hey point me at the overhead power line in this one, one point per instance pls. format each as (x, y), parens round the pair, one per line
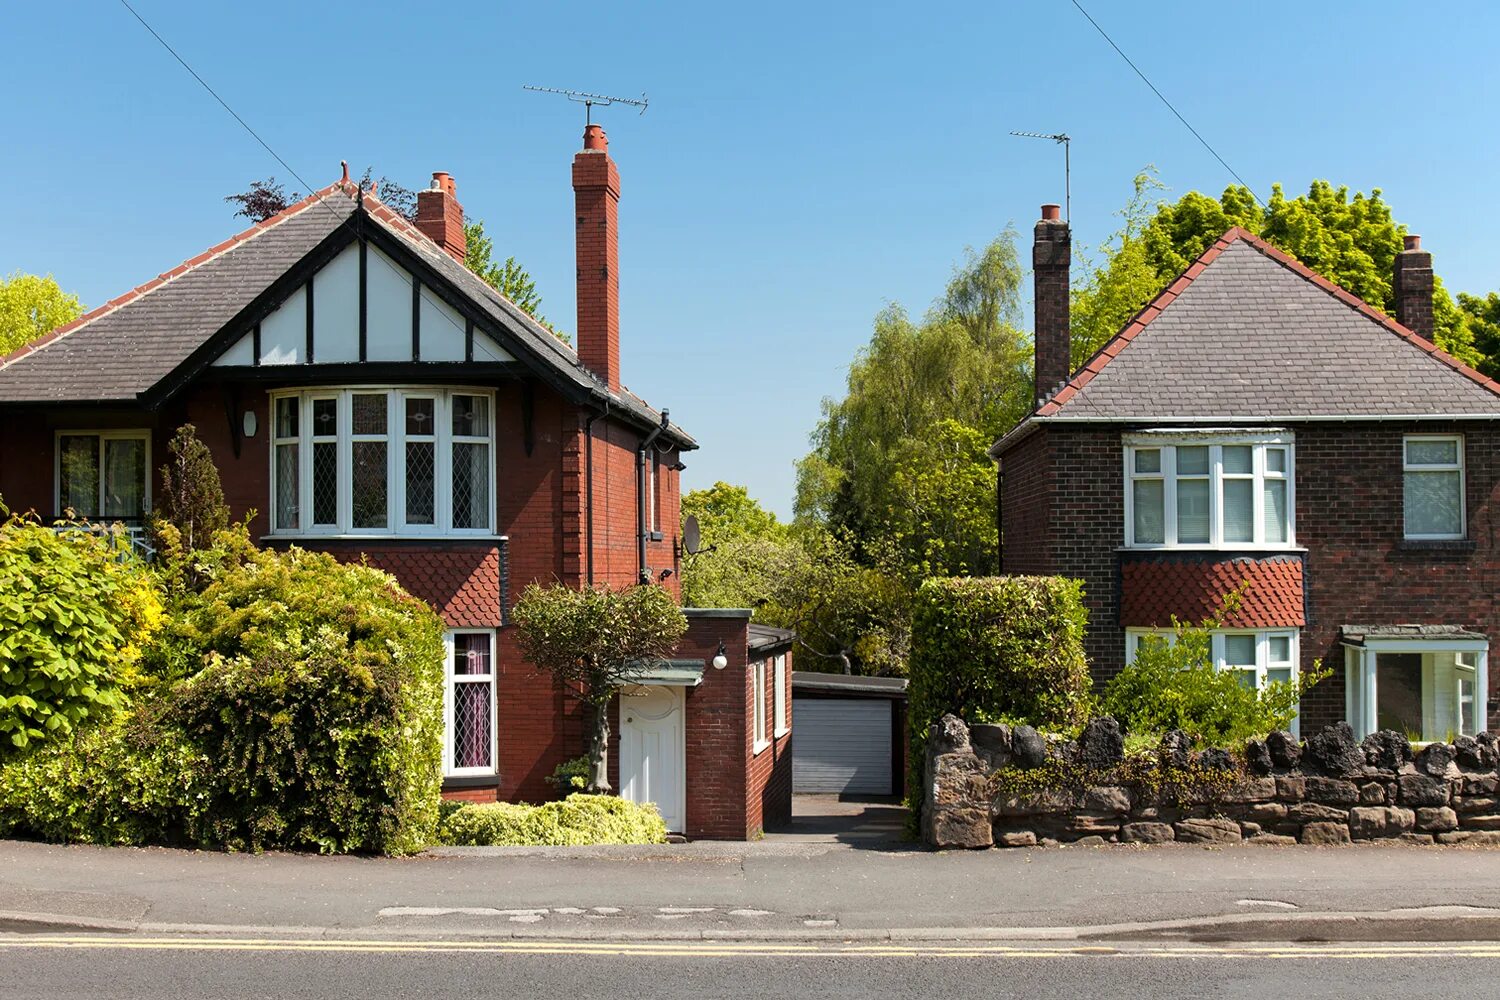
(1146, 80)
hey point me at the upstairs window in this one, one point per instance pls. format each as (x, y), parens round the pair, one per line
(383, 462)
(1224, 494)
(1433, 486)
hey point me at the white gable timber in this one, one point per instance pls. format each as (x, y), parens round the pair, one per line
(442, 333)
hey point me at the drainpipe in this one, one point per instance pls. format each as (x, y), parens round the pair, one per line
(999, 519)
(588, 501)
(640, 497)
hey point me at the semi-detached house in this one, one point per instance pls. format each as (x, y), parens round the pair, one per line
(1257, 426)
(365, 394)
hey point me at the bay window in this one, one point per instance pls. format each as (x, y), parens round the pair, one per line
(104, 475)
(469, 703)
(1433, 485)
(383, 461)
(1209, 493)
(1430, 689)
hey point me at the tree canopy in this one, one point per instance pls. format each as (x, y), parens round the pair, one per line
(1352, 240)
(30, 306)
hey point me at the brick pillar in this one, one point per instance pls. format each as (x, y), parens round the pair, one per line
(596, 196)
(1412, 286)
(441, 218)
(1051, 253)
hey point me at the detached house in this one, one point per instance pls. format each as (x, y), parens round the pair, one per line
(365, 394)
(1257, 425)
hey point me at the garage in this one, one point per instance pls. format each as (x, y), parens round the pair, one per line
(849, 734)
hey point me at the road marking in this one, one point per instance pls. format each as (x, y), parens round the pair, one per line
(752, 913)
(1275, 904)
(829, 949)
(684, 909)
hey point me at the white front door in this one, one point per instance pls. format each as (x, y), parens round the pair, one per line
(653, 758)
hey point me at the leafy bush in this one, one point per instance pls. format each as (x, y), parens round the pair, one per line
(570, 776)
(1173, 684)
(192, 497)
(313, 723)
(575, 821)
(75, 608)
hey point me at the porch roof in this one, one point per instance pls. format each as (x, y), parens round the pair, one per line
(1357, 635)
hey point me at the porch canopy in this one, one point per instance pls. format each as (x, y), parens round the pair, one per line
(1430, 682)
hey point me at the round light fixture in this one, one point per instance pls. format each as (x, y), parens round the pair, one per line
(720, 659)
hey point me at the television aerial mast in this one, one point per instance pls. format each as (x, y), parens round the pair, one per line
(1065, 139)
(589, 100)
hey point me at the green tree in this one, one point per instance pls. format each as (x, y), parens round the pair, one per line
(30, 306)
(943, 520)
(1352, 240)
(192, 500)
(598, 639)
(1482, 313)
(509, 278)
(745, 549)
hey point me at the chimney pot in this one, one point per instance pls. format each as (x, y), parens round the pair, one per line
(1411, 241)
(1051, 212)
(594, 138)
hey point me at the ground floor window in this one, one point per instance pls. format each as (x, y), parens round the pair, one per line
(469, 703)
(1429, 693)
(759, 713)
(104, 474)
(1257, 657)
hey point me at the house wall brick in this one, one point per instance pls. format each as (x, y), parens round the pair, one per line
(1357, 569)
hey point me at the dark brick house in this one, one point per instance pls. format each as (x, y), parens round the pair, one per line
(1257, 425)
(364, 393)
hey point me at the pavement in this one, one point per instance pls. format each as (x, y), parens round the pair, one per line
(838, 874)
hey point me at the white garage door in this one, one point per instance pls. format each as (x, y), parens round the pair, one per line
(841, 745)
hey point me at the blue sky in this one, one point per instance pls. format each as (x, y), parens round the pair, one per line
(800, 165)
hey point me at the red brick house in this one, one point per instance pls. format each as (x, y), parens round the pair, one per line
(364, 393)
(1256, 423)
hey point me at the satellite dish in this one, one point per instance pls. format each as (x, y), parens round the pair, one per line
(692, 538)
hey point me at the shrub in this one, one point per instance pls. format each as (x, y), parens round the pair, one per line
(574, 821)
(192, 497)
(313, 723)
(570, 776)
(319, 708)
(75, 608)
(991, 648)
(1173, 684)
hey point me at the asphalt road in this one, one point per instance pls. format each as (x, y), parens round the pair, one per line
(41, 968)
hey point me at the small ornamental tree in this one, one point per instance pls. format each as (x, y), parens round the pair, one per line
(598, 639)
(192, 496)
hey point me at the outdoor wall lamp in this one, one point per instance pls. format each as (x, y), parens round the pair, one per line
(721, 658)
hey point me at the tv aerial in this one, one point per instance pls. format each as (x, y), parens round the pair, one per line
(1064, 139)
(589, 100)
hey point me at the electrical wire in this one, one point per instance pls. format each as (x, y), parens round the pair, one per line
(1188, 125)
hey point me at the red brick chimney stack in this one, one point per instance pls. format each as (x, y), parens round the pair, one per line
(441, 218)
(1412, 285)
(1051, 253)
(596, 197)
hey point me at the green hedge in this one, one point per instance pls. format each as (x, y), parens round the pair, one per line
(574, 821)
(995, 648)
(74, 610)
(312, 722)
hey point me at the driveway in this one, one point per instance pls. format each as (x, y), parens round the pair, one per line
(877, 823)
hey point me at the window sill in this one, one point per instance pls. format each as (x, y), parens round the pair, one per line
(458, 781)
(655, 536)
(759, 746)
(782, 732)
(1258, 549)
(274, 538)
(1437, 545)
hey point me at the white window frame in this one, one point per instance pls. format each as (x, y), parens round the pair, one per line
(443, 439)
(778, 677)
(1459, 467)
(1217, 646)
(1167, 445)
(758, 714)
(130, 434)
(451, 679)
(1361, 680)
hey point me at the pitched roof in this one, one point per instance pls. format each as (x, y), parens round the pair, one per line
(125, 347)
(1248, 332)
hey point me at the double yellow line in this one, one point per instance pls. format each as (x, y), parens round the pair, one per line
(759, 949)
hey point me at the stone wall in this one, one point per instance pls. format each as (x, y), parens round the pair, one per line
(1004, 786)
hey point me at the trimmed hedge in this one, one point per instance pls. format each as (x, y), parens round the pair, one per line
(310, 719)
(1007, 648)
(575, 821)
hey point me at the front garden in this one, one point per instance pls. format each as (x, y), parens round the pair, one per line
(231, 697)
